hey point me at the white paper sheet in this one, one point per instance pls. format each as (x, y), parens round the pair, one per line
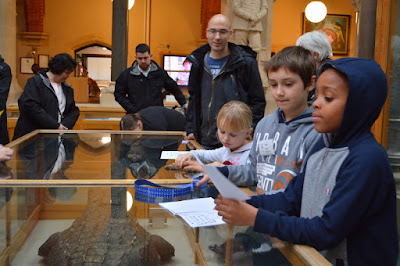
(225, 187)
(196, 212)
(199, 219)
(166, 155)
(192, 205)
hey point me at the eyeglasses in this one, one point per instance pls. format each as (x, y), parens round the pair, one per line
(213, 32)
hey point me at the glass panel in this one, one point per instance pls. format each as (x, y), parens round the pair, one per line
(93, 155)
(5, 194)
(110, 226)
(66, 225)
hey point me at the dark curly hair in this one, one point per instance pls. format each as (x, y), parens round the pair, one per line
(60, 63)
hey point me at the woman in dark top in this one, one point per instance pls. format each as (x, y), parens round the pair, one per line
(47, 101)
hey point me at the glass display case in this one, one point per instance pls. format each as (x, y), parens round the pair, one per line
(68, 198)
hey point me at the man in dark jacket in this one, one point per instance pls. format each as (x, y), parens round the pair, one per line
(154, 118)
(140, 85)
(221, 72)
(5, 82)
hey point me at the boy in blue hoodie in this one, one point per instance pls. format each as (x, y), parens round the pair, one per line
(344, 202)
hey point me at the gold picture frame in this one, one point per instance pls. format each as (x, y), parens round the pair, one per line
(43, 61)
(337, 28)
(26, 65)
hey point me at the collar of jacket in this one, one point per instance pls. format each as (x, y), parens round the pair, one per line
(42, 74)
(135, 68)
(1, 59)
(236, 56)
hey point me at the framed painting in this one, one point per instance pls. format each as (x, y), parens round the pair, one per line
(43, 61)
(336, 27)
(26, 65)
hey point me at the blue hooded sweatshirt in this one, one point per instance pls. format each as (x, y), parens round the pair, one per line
(344, 202)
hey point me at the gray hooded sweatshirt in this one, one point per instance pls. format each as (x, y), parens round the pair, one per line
(289, 146)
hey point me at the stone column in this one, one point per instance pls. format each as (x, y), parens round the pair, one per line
(119, 57)
(119, 38)
(8, 44)
(365, 44)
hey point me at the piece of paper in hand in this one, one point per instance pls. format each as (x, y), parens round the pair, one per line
(225, 187)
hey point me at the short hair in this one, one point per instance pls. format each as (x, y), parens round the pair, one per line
(142, 48)
(61, 63)
(236, 115)
(316, 41)
(296, 59)
(130, 121)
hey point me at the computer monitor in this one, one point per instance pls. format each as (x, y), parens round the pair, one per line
(178, 68)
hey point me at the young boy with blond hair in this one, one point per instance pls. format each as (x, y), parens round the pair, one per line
(344, 202)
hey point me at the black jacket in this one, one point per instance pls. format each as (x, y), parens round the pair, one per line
(239, 80)
(134, 91)
(5, 82)
(38, 106)
(162, 119)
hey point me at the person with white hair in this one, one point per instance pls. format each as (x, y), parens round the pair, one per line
(317, 42)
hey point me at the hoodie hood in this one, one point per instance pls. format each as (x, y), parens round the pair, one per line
(368, 90)
(303, 118)
(135, 68)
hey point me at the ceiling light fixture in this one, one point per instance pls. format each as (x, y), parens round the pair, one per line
(130, 4)
(316, 11)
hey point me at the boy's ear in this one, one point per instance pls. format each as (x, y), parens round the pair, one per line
(311, 85)
(249, 132)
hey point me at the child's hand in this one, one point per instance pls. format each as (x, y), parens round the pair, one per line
(235, 212)
(192, 165)
(217, 164)
(179, 161)
(196, 166)
(203, 180)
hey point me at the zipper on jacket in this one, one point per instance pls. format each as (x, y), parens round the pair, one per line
(211, 98)
(209, 110)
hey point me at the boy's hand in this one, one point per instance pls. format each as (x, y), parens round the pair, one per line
(203, 180)
(235, 212)
(181, 159)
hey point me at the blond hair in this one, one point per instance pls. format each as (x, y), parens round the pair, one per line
(235, 115)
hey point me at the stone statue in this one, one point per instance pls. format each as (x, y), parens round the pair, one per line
(247, 27)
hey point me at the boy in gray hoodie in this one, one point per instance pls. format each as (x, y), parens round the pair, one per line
(282, 140)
